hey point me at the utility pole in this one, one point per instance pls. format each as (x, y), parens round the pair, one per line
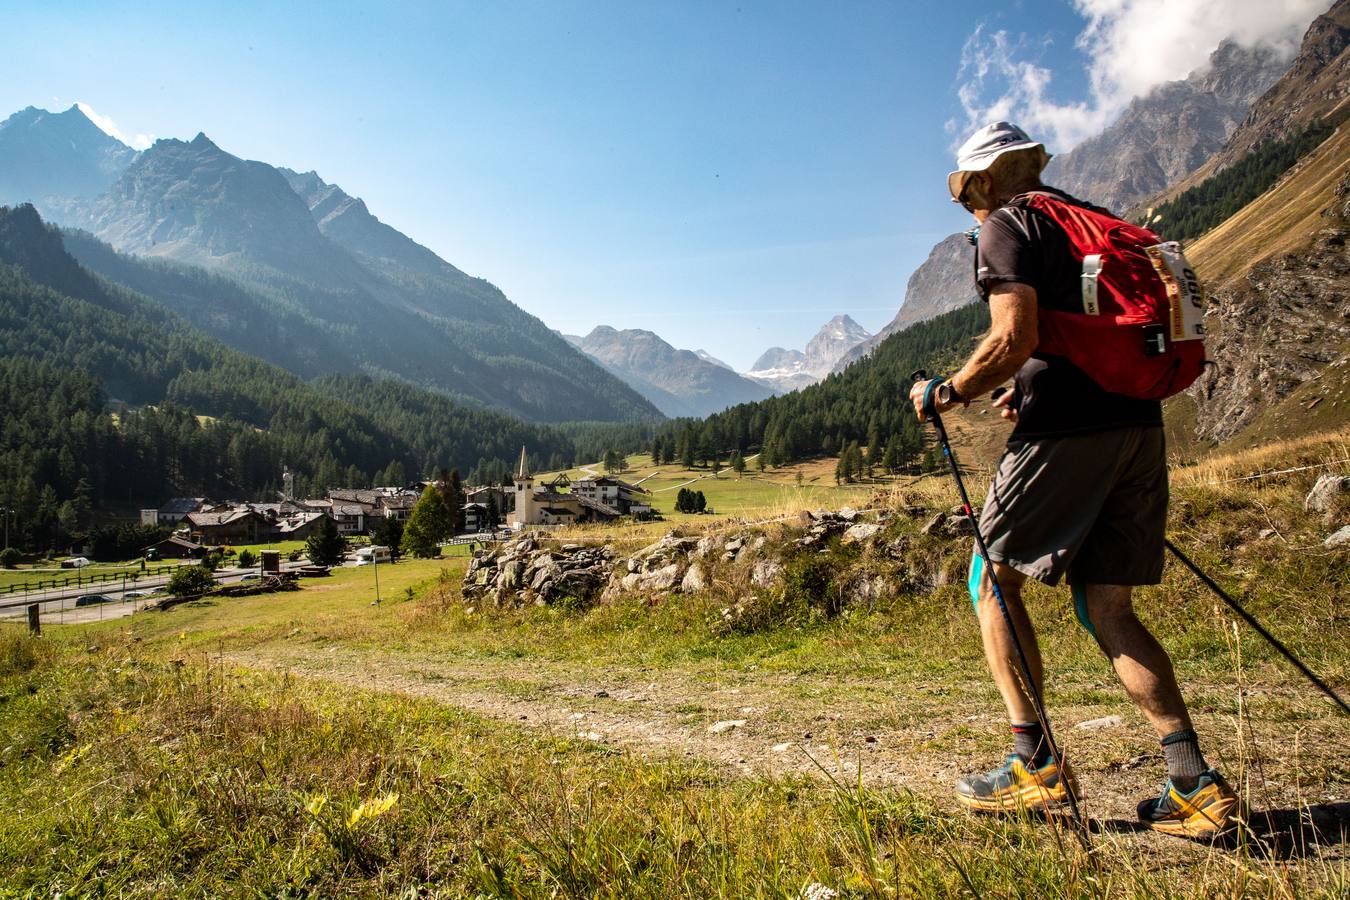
(375, 561)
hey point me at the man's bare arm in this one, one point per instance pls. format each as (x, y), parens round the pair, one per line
(1010, 342)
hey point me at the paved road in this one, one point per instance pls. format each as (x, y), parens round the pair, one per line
(59, 605)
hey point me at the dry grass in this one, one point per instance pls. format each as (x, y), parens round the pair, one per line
(1328, 452)
(1282, 220)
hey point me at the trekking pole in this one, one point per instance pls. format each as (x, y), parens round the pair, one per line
(1250, 620)
(1027, 681)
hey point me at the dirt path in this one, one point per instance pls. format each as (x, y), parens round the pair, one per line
(756, 723)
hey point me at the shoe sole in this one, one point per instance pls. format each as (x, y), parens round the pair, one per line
(1216, 819)
(1029, 797)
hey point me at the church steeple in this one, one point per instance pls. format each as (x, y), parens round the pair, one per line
(523, 471)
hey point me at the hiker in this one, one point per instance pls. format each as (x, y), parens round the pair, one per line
(1080, 492)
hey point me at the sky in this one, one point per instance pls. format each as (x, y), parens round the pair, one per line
(728, 175)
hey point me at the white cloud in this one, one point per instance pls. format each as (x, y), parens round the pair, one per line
(109, 127)
(1132, 45)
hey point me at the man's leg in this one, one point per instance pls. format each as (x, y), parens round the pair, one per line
(1141, 663)
(999, 651)
(1029, 778)
(1196, 802)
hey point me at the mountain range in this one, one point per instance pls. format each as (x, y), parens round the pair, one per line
(678, 382)
(312, 259)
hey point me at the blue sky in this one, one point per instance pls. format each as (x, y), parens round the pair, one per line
(727, 175)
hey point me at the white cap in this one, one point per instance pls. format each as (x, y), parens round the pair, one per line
(986, 145)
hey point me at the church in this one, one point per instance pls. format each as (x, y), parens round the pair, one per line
(548, 507)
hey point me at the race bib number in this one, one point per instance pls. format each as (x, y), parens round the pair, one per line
(1186, 315)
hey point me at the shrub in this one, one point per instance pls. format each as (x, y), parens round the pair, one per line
(247, 560)
(191, 581)
(9, 557)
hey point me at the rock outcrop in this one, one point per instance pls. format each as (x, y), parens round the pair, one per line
(1284, 322)
(523, 571)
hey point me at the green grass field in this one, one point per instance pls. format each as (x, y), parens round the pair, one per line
(751, 493)
(315, 744)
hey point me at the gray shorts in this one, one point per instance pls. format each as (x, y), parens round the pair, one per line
(1090, 506)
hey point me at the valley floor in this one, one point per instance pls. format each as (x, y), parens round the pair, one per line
(315, 744)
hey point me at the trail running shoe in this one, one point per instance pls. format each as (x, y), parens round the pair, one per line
(1206, 812)
(1014, 786)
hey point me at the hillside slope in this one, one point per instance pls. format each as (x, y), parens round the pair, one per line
(54, 313)
(366, 296)
(1279, 317)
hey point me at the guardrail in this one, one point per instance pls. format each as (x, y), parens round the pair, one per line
(80, 580)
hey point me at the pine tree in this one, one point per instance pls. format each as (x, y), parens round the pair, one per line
(389, 533)
(855, 461)
(428, 525)
(325, 546)
(738, 463)
(890, 460)
(700, 502)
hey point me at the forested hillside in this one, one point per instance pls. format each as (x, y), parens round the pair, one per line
(1202, 207)
(867, 403)
(110, 400)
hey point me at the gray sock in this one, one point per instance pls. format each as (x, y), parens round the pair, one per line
(1029, 743)
(1185, 762)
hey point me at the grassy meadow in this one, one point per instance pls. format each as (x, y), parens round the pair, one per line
(317, 744)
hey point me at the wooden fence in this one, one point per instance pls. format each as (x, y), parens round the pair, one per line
(79, 579)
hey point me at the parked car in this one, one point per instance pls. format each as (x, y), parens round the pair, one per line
(135, 595)
(252, 576)
(75, 562)
(92, 599)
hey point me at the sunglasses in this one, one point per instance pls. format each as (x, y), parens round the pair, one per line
(961, 197)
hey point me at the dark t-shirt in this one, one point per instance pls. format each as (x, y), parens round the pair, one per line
(1053, 397)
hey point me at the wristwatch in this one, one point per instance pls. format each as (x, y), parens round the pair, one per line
(948, 395)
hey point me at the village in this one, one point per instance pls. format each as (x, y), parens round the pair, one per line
(198, 523)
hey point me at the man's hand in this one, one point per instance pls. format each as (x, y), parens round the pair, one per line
(1003, 403)
(916, 397)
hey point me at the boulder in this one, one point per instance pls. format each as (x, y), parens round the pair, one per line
(766, 573)
(694, 580)
(663, 579)
(1325, 493)
(860, 533)
(1340, 539)
(509, 579)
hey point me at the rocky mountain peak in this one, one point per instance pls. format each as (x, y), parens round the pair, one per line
(1169, 132)
(193, 201)
(48, 158)
(943, 282)
(787, 370)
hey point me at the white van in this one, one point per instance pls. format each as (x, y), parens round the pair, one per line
(367, 555)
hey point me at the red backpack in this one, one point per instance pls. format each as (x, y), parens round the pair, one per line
(1140, 331)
